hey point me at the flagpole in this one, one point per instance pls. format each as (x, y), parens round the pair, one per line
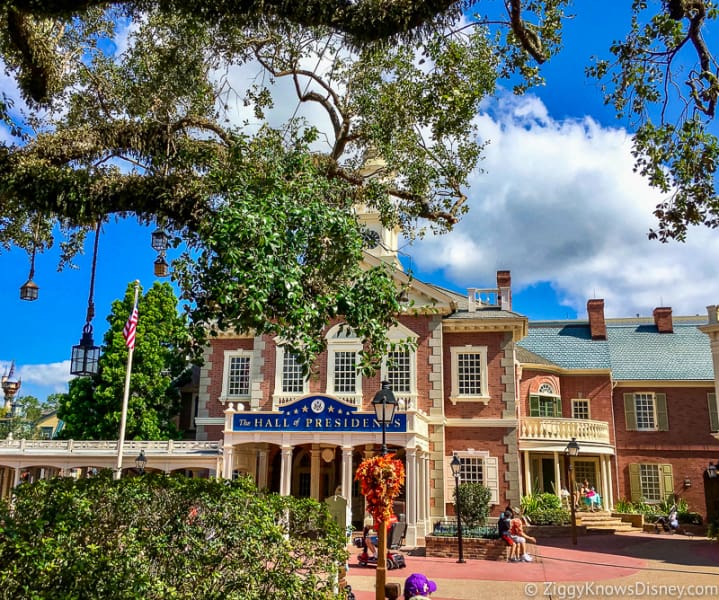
(126, 394)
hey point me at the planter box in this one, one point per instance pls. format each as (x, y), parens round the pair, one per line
(484, 549)
(552, 531)
(474, 548)
(636, 519)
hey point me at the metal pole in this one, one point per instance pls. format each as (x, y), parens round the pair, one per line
(459, 522)
(125, 399)
(570, 487)
(381, 578)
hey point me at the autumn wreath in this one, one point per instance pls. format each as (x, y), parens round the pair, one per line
(380, 478)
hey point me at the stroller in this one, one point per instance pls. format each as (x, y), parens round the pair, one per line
(670, 523)
(395, 539)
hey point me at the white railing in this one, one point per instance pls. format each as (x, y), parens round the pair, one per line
(551, 429)
(172, 447)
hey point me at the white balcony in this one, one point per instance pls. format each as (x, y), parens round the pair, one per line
(552, 429)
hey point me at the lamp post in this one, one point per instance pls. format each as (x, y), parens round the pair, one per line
(711, 471)
(570, 452)
(456, 466)
(384, 404)
(140, 462)
(160, 242)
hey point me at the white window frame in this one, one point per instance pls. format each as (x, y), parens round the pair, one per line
(483, 396)
(348, 342)
(225, 395)
(575, 402)
(395, 334)
(490, 473)
(643, 476)
(655, 419)
(281, 397)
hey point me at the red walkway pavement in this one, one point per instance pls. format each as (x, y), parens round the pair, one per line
(608, 566)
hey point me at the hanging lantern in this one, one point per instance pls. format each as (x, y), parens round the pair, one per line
(85, 355)
(162, 269)
(29, 291)
(160, 240)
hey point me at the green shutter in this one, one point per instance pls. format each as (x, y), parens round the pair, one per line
(635, 482)
(557, 407)
(534, 406)
(630, 414)
(667, 479)
(713, 412)
(662, 416)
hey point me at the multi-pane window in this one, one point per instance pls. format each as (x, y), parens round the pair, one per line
(649, 478)
(238, 376)
(469, 374)
(545, 406)
(644, 409)
(580, 409)
(293, 381)
(345, 372)
(399, 374)
(472, 470)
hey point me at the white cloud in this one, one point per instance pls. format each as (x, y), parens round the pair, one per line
(559, 203)
(42, 379)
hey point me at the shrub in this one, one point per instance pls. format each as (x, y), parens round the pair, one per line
(536, 502)
(551, 516)
(474, 498)
(156, 537)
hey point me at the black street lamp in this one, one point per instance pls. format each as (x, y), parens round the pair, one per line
(570, 452)
(456, 466)
(384, 404)
(712, 470)
(86, 354)
(160, 242)
(141, 461)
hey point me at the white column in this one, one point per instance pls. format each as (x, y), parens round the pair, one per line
(527, 477)
(347, 478)
(557, 476)
(262, 470)
(423, 489)
(315, 472)
(17, 477)
(227, 462)
(411, 488)
(286, 471)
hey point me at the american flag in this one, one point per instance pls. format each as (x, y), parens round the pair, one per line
(130, 328)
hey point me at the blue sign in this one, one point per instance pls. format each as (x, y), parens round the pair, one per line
(316, 413)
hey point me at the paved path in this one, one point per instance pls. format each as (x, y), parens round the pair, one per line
(623, 565)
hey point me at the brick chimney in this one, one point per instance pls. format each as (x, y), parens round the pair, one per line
(504, 283)
(597, 326)
(663, 319)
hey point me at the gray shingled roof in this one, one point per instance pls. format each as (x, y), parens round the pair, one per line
(567, 344)
(633, 350)
(638, 351)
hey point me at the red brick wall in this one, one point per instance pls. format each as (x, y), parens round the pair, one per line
(688, 445)
(217, 358)
(495, 371)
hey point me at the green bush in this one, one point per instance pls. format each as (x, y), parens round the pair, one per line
(474, 498)
(165, 537)
(537, 502)
(550, 516)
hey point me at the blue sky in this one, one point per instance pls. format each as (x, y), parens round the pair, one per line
(558, 205)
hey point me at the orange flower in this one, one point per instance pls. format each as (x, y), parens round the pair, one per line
(380, 478)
